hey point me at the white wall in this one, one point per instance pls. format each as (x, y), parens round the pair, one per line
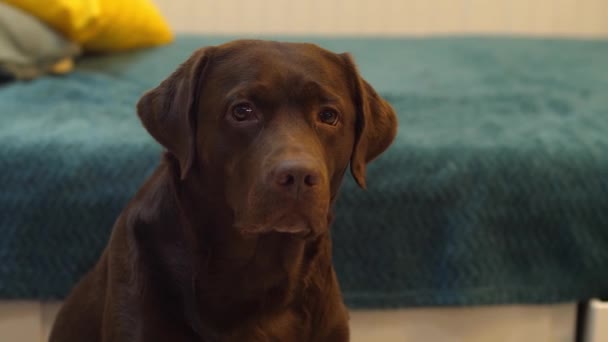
(587, 18)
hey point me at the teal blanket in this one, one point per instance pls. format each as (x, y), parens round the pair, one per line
(495, 191)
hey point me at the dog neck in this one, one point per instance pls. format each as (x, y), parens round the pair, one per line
(247, 274)
(218, 273)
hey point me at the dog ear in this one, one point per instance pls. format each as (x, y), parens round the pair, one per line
(376, 124)
(169, 111)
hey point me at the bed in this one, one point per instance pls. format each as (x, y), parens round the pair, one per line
(495, 191)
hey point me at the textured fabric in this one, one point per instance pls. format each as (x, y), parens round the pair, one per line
(495, 191)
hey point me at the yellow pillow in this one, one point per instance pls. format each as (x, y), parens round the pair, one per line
(102, 25)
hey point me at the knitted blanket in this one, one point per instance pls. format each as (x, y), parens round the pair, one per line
(495, 191)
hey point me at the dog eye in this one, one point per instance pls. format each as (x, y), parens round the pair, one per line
(243, 112)
(329, 116)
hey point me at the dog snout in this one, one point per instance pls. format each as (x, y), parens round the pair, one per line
(295, 176)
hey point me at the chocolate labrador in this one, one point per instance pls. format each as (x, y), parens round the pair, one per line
(229, 239)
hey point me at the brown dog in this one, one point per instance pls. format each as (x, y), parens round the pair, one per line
(229, 238)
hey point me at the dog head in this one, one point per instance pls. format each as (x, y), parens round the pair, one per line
(269, 129)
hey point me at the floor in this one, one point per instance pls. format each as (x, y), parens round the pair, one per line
(31, 321)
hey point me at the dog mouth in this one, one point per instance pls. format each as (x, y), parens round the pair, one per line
(262, 212)
(294, 224)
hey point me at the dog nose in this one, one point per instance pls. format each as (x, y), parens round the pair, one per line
(294, 174)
